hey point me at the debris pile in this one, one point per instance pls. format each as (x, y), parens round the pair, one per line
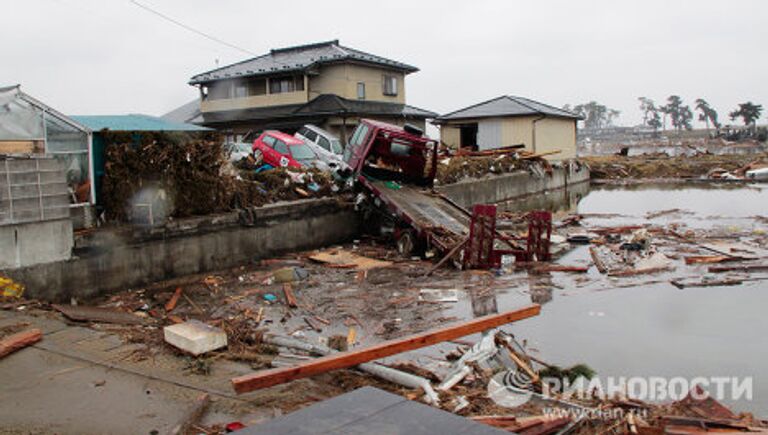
(178, 175)
(658, 166)
(468, 165)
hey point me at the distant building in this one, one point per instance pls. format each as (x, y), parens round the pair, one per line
(508, 120)
(325, 84)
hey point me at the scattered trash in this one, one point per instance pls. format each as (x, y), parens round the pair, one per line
(438, 295)
(9, 288)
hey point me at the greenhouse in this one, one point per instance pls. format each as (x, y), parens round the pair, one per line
(29, 127)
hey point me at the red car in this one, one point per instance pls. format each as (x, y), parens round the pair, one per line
(278, 149)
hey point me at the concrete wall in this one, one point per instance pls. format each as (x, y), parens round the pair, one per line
(342, 80)
(34, 212)
(110, 261)
(515, 185)
(36, 242)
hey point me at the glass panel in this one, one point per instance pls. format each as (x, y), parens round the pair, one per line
(323, 142)
(18, 119)
(302, 152)
(269, 140)
(281, 147)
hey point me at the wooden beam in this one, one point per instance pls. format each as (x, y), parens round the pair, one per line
(14, 342)
(268, 378)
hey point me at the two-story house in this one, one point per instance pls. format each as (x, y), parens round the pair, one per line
(325, 84)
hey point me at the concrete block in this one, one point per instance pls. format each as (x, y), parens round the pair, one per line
(195, 337)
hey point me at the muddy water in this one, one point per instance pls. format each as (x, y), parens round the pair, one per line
(656, 329)
(644, 326)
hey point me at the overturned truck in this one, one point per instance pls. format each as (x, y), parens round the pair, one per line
(395, 168)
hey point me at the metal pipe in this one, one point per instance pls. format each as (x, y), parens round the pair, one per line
(382, 372)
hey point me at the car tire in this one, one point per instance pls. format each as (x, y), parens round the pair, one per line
(406, 244)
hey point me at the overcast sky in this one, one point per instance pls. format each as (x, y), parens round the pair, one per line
(112, 57)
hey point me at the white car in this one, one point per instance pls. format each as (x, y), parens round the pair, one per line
(326, 146)
(237, 151)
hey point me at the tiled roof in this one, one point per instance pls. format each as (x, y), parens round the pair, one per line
(323, 105)
(507, 105)
(188, 113)
(298, 58)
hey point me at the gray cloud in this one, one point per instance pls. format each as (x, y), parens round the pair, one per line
(94, 57)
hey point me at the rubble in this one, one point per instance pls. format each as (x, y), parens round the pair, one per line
(662, 166)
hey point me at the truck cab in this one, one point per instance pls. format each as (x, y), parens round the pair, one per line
(382, 151)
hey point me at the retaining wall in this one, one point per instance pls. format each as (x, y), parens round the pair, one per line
(499, 188)
(124, 259)
(128, 257)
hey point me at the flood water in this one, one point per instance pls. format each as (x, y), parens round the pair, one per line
(643, 325)
(657, 329)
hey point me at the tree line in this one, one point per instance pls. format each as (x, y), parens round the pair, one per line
(679, 114)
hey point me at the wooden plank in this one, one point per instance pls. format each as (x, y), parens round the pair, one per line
(268, 378)
(14, 342)
(290, 298)
(98, 314)
(171, 304)
(739, 268)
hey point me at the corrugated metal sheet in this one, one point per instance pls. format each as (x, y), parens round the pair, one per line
(134, 122)
(489, 134)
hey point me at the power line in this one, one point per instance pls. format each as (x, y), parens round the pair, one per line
(191, 29)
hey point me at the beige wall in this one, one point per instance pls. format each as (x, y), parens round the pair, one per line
(297, 97)
(551, 134)
(342, 80)
(450, 136)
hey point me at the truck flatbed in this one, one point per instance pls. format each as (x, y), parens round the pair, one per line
(427, 212)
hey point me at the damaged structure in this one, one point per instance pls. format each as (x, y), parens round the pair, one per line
(511, 121)
(326, 84)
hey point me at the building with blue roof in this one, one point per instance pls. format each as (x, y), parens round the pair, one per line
(132, 123)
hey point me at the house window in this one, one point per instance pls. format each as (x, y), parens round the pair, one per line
(279, 85)
(389, 85)
(361, 91)
(240, 90)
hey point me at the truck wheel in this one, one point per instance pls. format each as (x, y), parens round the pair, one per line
(406, 244)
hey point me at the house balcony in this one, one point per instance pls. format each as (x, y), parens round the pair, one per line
(254, 101)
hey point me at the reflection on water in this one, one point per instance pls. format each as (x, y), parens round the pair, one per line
(650, 328)
(558, 200)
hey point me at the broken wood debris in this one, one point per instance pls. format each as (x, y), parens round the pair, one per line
(290, 298)
(171, 304)
(97, 314)
(18, 341)
(267, 378)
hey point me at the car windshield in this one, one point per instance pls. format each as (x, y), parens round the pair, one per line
(242, 147)
(302, 152)
(336, 147)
